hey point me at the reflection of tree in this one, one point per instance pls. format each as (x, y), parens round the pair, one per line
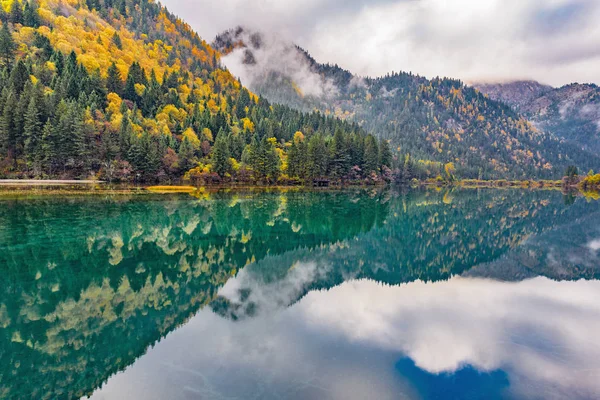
(88, 285)
(426, 236)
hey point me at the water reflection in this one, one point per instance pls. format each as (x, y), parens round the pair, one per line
(298, 295)
(362, 339)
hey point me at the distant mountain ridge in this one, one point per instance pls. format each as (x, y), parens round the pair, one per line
(571, 112)
(437, 120)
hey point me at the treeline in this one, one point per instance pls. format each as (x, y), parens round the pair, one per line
(62, 118)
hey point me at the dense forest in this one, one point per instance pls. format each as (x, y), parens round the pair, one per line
(432, 121)
(122, 90)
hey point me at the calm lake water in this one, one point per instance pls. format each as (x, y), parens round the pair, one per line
(477, 294)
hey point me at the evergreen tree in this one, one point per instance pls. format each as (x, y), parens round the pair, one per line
(7, 45)
(220, 155)
(8, 130)
(16, 12)
(3, 15)
(30, 14)
(371, 156)
(19, 76)
(186, 155)
(318, 157)
(49, 148)
(32, 131)
(116, 39)
(340, 158)
(114, 81)
(385, 154)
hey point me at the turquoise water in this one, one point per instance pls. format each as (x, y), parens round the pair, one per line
(478, 294)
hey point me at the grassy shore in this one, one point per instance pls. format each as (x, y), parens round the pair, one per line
(87, 188)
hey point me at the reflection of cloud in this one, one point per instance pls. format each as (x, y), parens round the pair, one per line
(594, 245)
(267, 296)
(542, 333)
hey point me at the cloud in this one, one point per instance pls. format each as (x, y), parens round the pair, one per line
(279, 56)
(345, 343)
(554, 41)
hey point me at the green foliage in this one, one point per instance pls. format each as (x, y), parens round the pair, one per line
(7, 45)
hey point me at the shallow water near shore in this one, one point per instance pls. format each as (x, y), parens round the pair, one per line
(301, 294)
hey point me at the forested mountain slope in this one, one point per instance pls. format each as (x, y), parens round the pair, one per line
(440, 119)
(124, 90)
(571, 112)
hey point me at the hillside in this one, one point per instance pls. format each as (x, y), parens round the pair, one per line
(123, 90)
(571, 112)
(436, 120)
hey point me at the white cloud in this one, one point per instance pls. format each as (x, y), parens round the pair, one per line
(555, 41)
(345, 342)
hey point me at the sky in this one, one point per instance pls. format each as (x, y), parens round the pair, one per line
(553, 41)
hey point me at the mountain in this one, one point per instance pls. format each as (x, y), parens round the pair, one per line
(123, 90)
(571, 112)
(436, 120)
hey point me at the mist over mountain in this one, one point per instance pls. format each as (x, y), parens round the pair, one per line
(438, 120)
(571, 112)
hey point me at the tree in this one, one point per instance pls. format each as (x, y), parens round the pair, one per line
(187, 159)
(49, 147)
(30, 14)
(371, 155)
(318, 157)
(19, 76)
(32, 131)
(385, 154)
(114, 81)
(340, 160)
(3, 15)
(571, 172)
(221, 155)
(449, 169)
(8, 130)
(16, 12)
(7, 45)
(117, 41)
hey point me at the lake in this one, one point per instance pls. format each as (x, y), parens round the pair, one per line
(362, 294)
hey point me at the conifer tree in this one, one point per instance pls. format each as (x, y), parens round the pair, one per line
(16, 12)
(7, 45)
(221, 155)
(114, 81)
(371, 155)
(32, 130)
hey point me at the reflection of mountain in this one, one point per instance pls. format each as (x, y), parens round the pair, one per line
(89, 284)
(426, 237)
(565, 253)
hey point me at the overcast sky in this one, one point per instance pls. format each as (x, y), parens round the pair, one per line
(553, 41)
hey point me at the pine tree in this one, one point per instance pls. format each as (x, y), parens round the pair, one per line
(117, 41)
(7, 45)
(371, 156)
(220, 155)
(3, 15)
(7, 127)
(318, 157)
(19, 76)
(340, 157)
(186, 155)
(385, 154)
(30, 14)
(16, 12)
(32, 130)
(48, 147)
(114, 81)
